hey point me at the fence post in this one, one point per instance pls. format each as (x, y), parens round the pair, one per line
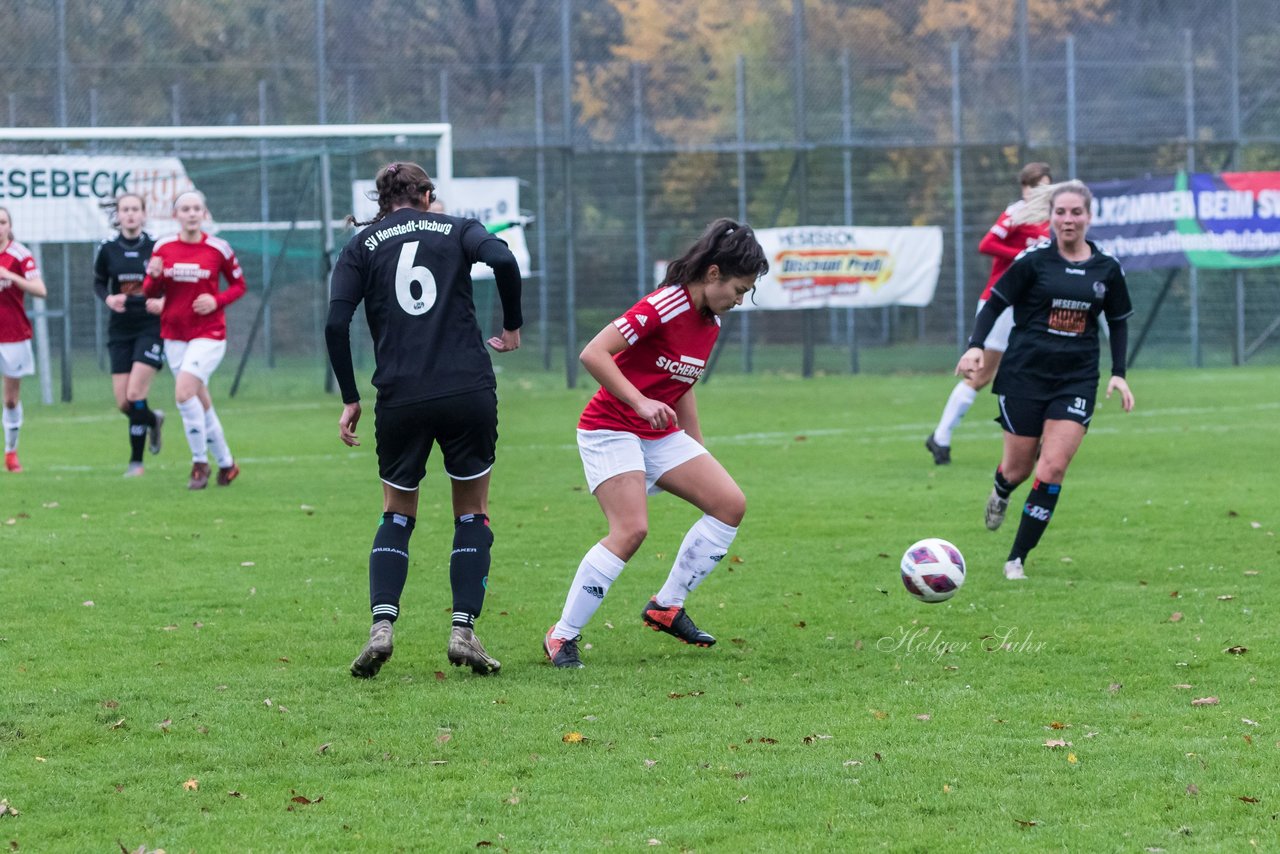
(637, 87)
(957, 190)
(740, 108)
(1193, 274)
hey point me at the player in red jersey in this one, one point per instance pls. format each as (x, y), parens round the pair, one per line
(1003, 242)
(640, 435)
(185, 270)
(19, 276)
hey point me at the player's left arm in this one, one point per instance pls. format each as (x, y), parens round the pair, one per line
(1119, 308)
(506, 274)
(31, 283)
(236, 285)
(687, 416)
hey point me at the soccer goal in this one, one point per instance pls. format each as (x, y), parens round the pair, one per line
(277, 193)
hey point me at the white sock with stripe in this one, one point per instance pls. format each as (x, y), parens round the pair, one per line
(598, 570)
(216, 440)
(962, 397)
(192, 412)
(12, 424)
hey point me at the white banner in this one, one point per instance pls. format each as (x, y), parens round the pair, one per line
(847, 267)
(490, 200)
(58, 198)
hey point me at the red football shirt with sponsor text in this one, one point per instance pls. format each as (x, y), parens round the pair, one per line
(1005, 242)
(191, 269)
(668, 343)
(14, 324)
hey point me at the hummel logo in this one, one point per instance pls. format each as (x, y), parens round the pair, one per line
(642, 319)
(595, 591)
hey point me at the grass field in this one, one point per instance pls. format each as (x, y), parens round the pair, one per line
(173, 666)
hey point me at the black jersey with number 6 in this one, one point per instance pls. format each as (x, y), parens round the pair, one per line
(412, 270)
(1053, 348)
(120, 267)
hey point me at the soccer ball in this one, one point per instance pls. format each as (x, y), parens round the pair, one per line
(932, 570)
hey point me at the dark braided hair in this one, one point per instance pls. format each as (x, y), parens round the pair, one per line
(730, 245)
(397, 184)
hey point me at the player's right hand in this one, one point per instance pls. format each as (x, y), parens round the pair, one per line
(115, 302)
(347, 424)
(155, 266)
(657, 413)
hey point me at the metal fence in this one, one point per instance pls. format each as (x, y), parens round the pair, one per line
(623, 161)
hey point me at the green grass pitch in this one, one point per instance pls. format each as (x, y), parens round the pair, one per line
(173, 666)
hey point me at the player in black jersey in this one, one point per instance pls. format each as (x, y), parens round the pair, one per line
(133, 331)
(1048, 379)
(412, 270)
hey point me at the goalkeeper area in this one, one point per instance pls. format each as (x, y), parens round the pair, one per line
(277, 193)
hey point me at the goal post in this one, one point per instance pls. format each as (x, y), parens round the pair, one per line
(277, 193)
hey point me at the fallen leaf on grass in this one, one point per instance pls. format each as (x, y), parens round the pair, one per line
(5, 810)
(1175, 616)
(444, 737)
(852, 763)
(234, 794)
(1193, 790)
(191, 785)
(247, 563)
(1058, 725)
(1225, 598)
(1248, 800)
(169, 628)
(1026, 823)
(572, 738)
(1057, 742)
(484, 843)
(649, 763)
(303, 799)
(1205, 701)
(1236, 650)
(116, 725)
(924, 717)
(1071, 757)
(655, 841)
(1115, 686)
(1183, 686)
(324, 748)
(165, 724)
(440, 676)
(88, 603)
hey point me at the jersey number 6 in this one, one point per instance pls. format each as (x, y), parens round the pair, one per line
(406, 275)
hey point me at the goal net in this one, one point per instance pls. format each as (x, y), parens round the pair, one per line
(277, 193)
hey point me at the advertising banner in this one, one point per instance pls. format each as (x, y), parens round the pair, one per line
(1228, 221)
(847, 267)
(59, 198)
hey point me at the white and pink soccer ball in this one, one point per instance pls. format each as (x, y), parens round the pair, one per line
(932, 570)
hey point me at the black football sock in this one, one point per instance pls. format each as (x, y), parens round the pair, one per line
(140, 420)
(389, 565)
(469, 566)
(1036, 514)
(1003, 487)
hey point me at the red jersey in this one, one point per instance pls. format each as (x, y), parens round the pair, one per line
(14, 325)
(191, 269)
(668, 344)
(1005, 241)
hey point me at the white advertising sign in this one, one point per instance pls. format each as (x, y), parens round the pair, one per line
(847, 267)
(58, 198)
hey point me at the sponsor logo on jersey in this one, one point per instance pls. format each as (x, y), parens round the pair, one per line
(1099, 290)
(686, 369)
(186, 272)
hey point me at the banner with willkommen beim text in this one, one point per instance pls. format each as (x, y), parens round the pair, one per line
(847, 267)
(1227, 221)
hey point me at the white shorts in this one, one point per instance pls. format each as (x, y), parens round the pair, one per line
(998, 339)
(16, 359)
(606, 453)
(199, 357)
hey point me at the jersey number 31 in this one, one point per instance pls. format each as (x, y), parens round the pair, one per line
(406, 275)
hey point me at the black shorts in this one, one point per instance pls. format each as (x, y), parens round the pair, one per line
(143, 347)
(464, 425)
(1023, 416)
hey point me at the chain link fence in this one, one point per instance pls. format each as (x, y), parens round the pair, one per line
(626, 144)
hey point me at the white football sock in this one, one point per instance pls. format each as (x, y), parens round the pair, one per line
(962, 397)
(216, 440)
(12, 423)
(192, 412)
(598, 570)
(704, 546)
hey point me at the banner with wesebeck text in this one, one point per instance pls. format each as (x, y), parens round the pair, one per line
(847, 267)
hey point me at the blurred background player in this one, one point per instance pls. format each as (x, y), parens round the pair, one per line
(133, 330)
(186, 270)
(1003, 242)
(412, 270)
(1048, 383)
(19, 276)
(640, 435)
